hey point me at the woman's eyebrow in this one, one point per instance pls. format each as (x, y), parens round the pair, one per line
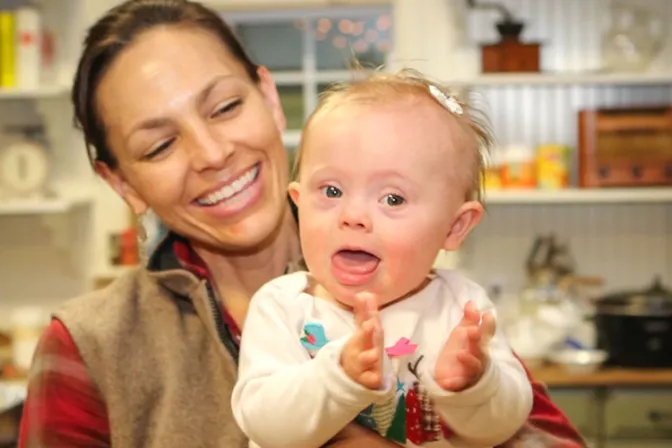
(157, 122)
(205, 91)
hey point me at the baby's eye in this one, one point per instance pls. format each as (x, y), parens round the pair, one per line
(393, 200)
(332, 192)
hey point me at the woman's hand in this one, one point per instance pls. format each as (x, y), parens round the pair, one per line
(357, 436)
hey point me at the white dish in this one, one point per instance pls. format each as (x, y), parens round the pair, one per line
(579, 362)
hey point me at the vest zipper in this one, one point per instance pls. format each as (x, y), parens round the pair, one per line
(222, 330)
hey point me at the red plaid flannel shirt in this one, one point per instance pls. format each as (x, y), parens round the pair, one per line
(65, 409)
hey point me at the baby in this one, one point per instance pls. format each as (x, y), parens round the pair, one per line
(388, 173)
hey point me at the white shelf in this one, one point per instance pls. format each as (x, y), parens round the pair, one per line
(541, 79)
(298, 77)
(112, 272)
(39, 93)
(580, 196)
(39, 206)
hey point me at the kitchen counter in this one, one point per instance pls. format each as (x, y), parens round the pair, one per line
(615, 392)
(552, 376)
(556, 376)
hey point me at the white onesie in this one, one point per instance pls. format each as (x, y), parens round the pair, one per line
(293, 393)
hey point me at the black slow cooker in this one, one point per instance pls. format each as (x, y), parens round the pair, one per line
(635, 327)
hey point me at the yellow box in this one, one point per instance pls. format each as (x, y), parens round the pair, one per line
(552, 167)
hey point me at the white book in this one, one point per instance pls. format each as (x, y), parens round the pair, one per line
(28, 47)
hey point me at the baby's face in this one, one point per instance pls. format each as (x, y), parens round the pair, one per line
(378, 196)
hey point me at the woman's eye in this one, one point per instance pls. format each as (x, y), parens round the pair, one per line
(159, 149)
(226, 108)
(332, 192)
(393, 200)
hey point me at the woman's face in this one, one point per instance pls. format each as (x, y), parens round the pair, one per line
(196, 140)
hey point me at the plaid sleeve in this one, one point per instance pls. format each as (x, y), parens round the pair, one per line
(63, 407)
(547, 425)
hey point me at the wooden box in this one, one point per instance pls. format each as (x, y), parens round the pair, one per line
(510, 56)
(625, 147)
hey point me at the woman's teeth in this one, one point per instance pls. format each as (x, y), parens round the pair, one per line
(230, 190)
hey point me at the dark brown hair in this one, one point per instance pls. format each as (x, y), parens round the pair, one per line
(114, 32)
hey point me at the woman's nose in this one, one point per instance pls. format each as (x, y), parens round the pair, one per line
(355, 216)
(208, 150)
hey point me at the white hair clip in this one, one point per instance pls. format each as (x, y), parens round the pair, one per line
(449, 102)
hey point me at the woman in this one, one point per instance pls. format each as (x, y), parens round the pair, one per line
(179, 121)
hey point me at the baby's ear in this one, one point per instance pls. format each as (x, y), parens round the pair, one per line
(293, 190)
(466, 218)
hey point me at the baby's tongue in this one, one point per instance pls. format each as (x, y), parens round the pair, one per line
(355, 261)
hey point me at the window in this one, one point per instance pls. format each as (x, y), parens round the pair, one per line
(306, 50)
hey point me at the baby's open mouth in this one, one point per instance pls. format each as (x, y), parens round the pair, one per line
(357, 262)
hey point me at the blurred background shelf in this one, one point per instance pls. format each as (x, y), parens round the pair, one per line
(565, 79)
(39, 93)
(580, 196)
(40, 206)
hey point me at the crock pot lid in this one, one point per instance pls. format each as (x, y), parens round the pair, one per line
(656, 297)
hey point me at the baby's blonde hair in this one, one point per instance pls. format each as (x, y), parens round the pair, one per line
(381, 88)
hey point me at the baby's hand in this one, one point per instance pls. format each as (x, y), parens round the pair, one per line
(362, 355)
(464, 357)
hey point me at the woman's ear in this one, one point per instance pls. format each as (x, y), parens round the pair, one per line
(116, 180)
(467, 217)
(270, 92)
(294, 192)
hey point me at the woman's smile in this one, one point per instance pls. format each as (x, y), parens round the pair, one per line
(233, 195)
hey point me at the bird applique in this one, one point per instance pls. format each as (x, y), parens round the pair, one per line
(402, 347)
(314, 337)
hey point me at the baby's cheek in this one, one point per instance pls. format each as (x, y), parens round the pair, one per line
(405, 270)
(411, 256)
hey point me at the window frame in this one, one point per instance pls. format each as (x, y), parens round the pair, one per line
(309, 77)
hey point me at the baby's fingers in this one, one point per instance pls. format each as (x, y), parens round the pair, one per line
(372, 379)
(471, 364)
(360, 310)
(474, 341)
(488, 327)
(364, 337)
(369, 359)
(471, 314)
(365, 307)
(466, 371)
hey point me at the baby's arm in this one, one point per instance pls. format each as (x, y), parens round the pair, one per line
(282, 397)
(492, 410)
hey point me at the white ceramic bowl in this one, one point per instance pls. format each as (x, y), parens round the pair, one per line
(579, 362)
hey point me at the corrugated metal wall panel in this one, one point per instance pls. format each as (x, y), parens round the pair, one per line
(627, 244)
